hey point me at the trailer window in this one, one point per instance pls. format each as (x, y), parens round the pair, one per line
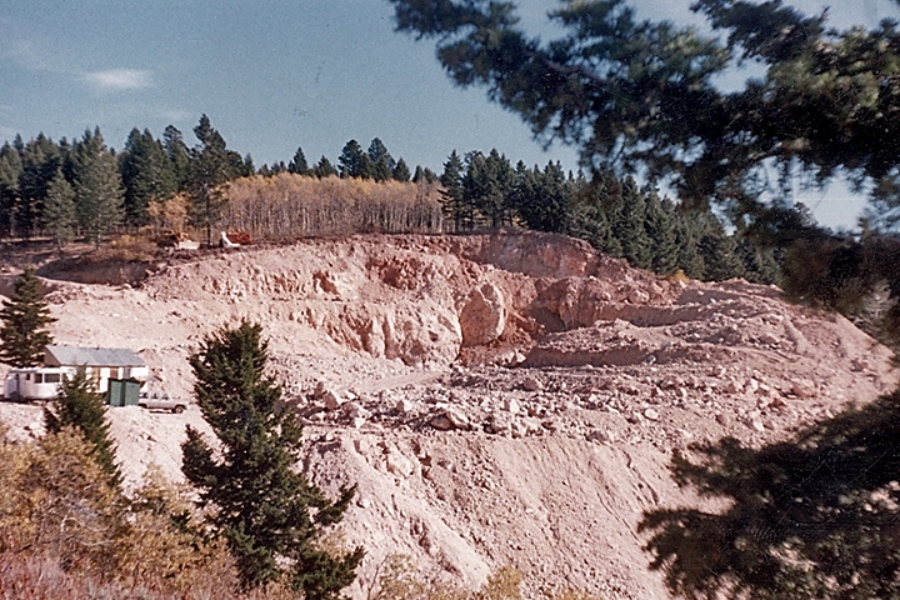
(51, 378)
(39, 378)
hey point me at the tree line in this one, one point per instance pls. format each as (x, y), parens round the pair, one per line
(376, 163)
(86, 189)
(616, 215)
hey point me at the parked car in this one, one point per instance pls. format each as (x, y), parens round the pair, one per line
(161, 401)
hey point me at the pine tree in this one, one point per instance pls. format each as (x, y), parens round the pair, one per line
(59, 211)
(628, 225)
(381, 170)
(382, 162)
(453, 195)
(687, 240)
(368, 169)
(661, 232)
(488, 185)
(760, 264)
(298, 164)
(556, 195)
(604, 192)
(324, 169)
(245, 167)
(377, 151)
(40, 161)
(80, 406)
(147, 174)
(718, 251)
(10, 173)
(590, 220)
(270, 515)
(638, 95)
(590, 224)
(430, 176)
(542, 198)
(24, 316)
(179, 157)
(351, 160)
(401, 171)
(608, 190)
(212, 169)
(524, 198)
(98, 187)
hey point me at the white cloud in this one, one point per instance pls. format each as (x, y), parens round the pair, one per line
(29, 55)
(175, 115)
(117, 80)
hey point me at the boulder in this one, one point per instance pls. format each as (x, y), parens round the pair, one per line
(803, 388)
(532, 384)
(404, 407)
(332, 400)
(483, 317)
(450, 419)
(512, 406)
(398, 464)
(441, 423)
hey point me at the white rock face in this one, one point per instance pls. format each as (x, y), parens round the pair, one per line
(414, 333)
(483, 318)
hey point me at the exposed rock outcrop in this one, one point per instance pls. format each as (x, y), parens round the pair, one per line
(483, 317)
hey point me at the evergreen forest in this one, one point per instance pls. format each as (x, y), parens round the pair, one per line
(84, 190)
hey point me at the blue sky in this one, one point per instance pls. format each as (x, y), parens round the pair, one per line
(275, 74)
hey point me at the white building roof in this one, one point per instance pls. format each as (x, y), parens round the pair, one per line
(95, 357)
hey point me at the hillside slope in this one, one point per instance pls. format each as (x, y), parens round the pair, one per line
(507, 399)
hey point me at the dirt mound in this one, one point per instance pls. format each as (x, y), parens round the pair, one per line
(505, 399)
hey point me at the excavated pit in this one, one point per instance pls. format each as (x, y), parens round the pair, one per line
(506, 399)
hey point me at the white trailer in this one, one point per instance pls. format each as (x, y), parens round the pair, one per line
(36, 383)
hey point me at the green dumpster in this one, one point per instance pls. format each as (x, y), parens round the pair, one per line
(123, 392)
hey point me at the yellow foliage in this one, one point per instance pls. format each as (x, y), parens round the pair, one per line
(71, 511)
(170, 215)
(57, 507)
(58, 512)
(162, 544)
(15, 524)
(678, 277)
(288, 206)
(398, 579)
(503, 584)
(124, 248)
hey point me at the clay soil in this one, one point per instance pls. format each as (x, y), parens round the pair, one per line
(499, 400)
